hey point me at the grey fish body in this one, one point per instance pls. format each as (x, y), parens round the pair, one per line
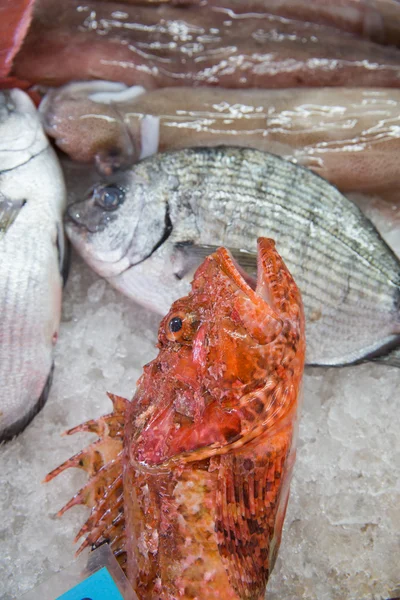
(32, 199)
(180, 202)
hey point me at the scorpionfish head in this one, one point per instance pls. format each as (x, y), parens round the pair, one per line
(229, 366)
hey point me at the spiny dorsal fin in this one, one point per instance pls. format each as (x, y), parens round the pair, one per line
(103, 493)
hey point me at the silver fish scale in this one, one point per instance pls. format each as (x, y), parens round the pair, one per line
(28, 296)
(348, 276)
(32, 199)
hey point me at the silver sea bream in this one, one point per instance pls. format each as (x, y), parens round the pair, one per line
(147, 229)
(32, 250)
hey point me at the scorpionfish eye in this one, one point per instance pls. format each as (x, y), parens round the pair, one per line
(175, 324)
(179, 327)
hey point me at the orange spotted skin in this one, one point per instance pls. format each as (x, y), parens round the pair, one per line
(207, 447)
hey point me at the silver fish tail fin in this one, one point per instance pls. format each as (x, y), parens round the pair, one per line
(391, 358)
(8, 433)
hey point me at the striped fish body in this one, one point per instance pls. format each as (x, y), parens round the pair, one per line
(32, 198)
(177, 205)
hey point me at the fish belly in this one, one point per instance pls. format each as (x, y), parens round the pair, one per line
(210, 529)
(174, 551)
(30, 302)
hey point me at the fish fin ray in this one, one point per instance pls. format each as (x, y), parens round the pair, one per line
(101, 511)
(111, 425)
(9, 211)
(192, 255)
(251, 503)
(103, 493)
(96, 488)
(91, 459)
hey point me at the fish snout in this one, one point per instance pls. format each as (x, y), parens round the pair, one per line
(83, 216)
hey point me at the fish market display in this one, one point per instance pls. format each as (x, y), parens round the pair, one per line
(161, 46)
(32, 198)
(189, 482)
(349, 136)
(146, 230)
(345, 526)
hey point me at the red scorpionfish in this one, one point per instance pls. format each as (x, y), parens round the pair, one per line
(189, 481)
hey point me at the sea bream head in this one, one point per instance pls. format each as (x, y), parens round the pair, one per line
(209, 435)
(32, 199)
(123, 228)
(147, 229)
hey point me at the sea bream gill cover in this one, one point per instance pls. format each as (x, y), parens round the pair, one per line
(189, 482)
(32, 200)
(147, 229)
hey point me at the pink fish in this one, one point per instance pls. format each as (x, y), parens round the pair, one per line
(349, 136)
(15, 17)
(160, 46)
(376, 20)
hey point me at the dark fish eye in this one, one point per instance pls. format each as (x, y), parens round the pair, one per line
(175, 324)
(108, 197)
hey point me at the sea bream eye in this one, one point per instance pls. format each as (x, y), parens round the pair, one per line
(108, 197)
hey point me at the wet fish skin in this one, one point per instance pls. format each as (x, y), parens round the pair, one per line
(195, 46)
(376, 20)
(351, 137)
(348, 276)
(15, 18)
(32, 200)
(203, 454)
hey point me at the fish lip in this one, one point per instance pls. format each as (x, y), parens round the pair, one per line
(246, 282)
(78, 235)
(75, 219)
(255, 289)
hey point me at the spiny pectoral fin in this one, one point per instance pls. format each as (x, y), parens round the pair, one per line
(9, 211)
(103, 492)
(251, 489)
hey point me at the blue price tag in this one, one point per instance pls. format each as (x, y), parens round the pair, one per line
(99, 586)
